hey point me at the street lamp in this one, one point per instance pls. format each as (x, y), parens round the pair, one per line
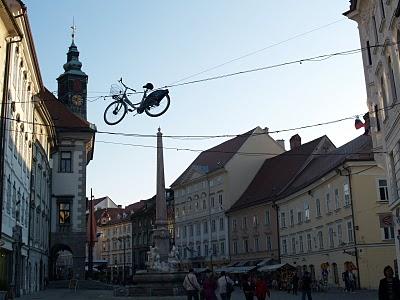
(122, 240)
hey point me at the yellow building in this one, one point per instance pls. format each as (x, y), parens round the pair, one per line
(334, 215)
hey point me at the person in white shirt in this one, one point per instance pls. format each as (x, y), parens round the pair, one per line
(191, 285)
(224, 282)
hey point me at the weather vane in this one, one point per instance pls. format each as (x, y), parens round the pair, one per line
(73, 27)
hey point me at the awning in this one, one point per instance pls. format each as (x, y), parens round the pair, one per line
(275, 267)
(200, 270)
(237, 270)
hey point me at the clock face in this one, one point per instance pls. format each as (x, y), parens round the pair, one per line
(77, 100)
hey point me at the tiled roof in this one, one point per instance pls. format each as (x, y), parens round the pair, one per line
(63, 118)
(358, 149)
(275, 174)
(216, 157)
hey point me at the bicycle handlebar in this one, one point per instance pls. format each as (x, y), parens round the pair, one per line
(125, 86)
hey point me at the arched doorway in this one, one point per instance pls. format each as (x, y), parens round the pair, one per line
(61, 261)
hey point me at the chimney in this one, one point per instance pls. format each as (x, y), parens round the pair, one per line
(295, 141)
(119, 206)
(282, 143)
(266, 130)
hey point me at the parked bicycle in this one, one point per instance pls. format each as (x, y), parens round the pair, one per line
(154, 104)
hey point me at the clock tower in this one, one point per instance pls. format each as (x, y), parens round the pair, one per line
(72, 84)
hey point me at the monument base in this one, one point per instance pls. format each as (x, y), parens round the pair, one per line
(154, 284)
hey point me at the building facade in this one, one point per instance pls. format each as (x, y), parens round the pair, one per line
(379, 30)
(253, 230)
(335, 217)
(208, 188)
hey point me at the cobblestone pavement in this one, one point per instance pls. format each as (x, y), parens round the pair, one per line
(60, 294)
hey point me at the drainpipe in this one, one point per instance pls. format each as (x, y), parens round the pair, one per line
(3, 122)
(354, 224)
(276, 207)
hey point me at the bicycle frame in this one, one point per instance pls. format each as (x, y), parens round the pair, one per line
(125, 98)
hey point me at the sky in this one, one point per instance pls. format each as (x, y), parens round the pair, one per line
(164, 41)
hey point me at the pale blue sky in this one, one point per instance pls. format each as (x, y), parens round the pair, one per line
(164, 41)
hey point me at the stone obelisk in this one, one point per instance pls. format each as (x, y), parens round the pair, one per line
(161, 234)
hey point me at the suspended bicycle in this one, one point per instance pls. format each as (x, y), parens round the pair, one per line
(154, 104)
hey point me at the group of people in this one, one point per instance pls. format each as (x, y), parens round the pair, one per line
(224, 286)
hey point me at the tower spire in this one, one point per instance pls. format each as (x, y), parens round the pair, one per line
(73, 27)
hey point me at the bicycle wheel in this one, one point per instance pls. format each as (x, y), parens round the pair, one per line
(157, 108)
(115, 112)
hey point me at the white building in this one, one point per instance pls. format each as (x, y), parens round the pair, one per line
(210, 186)
(379, 29)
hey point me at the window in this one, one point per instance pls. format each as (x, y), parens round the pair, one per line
(222, 248)
(234, 224)
(301, 244)
(204, 204)
(383, 190)
(328, 203)
(340, 234)
(191, 230)
(283, 220)
(388, 232)
(369, 54)
(383, 93)
(350, 231)
(235, 247)
(206, 253)
(205, 227)
(284, 246)
(375, 30)
(221, 223)
(337, 203)
(66, 162)
(255, 221)
(269, 245)
(256, 244)
(299, 217)
(244, 222)
(331, 238)
(382, 9)
(214, 248)
(309, 243)
(246, 245)
(306, 211)
(14, 200)
(212, 202)
(213, 227)
(320, 240)
(318, 207)
(346, 193)
(64, 213)
(220, 199)
(8, 204)
(267, 218)
(293, 245)
(392, 80)
(184, 231)
(378, 123)
(291, 218)
(198, 229)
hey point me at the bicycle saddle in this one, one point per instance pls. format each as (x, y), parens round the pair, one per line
(148, 86)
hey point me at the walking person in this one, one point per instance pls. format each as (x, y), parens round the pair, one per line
(345, 278)
(225, 286)
(191, 285)
(209, 287)
(306, 286)
(262, 290)
(295, 283)
(389, 287)
(248, 287)
(352, 280)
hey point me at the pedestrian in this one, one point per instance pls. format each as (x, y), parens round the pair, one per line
(262, 290)
(295, 283)
(306, 285)
(352, 280)
(225, 286)
(389, 287)
(191, 285)
(209, 287)
(345, 278)
(248, 287)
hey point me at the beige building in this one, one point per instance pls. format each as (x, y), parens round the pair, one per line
(335, 215)
(379, 30)
(253, 218)
(212, 183)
